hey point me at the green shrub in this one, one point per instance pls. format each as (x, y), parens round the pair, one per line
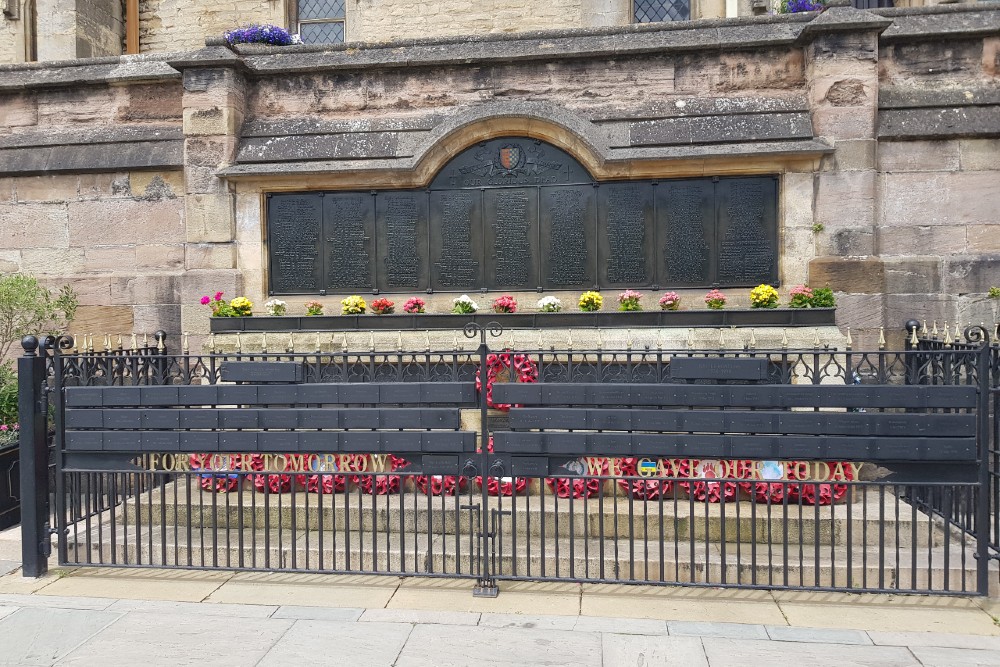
(27, 308)
(822, 298)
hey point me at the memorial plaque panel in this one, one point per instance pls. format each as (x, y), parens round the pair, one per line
(401, 239)
(747, 231)
(685, 232)
(625, 234)
(567, 246)
(456, 240)
(511, 238)
(294, 225)
(349, 232)
(510, 161)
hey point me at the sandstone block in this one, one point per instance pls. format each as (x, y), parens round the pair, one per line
(203, 179)
(971, 275)
(857, 242)
(18, 110)
(211, 218)
(7, 190)
(798, 248)
(144, 290)
(213, 152)
(160, 256)
(10, 261)
(157, 184)
(195, 320)
(89, 104)
(148, 102)
(250, 256)
(50, 188)
(100, 320)
(33, 226)
(210, 256)
(107, 222)
(844, 122)
(850, 275)
(797, 198)
(980, 154)
(846, 199)
(212, 121)
(921, 240)
(852, 155)
(912, 275)
(197, 283)
(944, 198)
(984, 238)
(149, 319)
(109, 258)
(52, 261)
(930, 307)
(858, 311)
(918, 156)
(91, 291)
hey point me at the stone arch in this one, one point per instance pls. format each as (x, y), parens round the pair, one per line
(533, 120)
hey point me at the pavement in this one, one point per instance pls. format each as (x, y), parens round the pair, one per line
(98, 616)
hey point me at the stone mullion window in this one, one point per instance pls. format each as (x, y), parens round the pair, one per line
(319, 21)
(655, 11)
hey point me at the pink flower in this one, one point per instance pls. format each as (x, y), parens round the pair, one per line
(218, 296)
(205, 300)
(3, 427)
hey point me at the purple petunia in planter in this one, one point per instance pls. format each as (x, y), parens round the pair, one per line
(796, 6)
(260, 34)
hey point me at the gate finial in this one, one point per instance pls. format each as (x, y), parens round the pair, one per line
(850, 341)
(186, 344)
(913, 337)
(753, 340)
(881, 338)
(263, 342)
(934, 331)
(923, 332)
(239, 343)
(816, 342)
(134, 344)
(784, 339)
(690, 339)
(722, 339)
(211, 343)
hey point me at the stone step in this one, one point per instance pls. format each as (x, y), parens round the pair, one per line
(554, 558)
(547, 516)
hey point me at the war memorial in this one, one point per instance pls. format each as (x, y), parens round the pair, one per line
(701, 302)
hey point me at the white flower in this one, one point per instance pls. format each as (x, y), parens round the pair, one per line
(296, 39)
(275, 307)
(549, 304)
(467, 301)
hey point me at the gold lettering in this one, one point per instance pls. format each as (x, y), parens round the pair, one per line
(855, 469)
(154, 461)
(800, 468)
(168, 461)
(838, 471)
(595, 465)
(216, 462)
(821, 470)
(379, 462)
(280, 462)
(268, 461)
(361, 463)
(313, 460)
(295, 463)
(693, 466)
(182, 462)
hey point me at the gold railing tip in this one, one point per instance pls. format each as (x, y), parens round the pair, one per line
(145, 340)
(263, 341)
(850, 341)
(186, 344)
(816, 341)
(239, 343)
(722, 339)
(753, 339)
(784, 338)
(934, 331)
(913, 337)
(881, 338)
(923, 331)
(121, 343)
(211, 343)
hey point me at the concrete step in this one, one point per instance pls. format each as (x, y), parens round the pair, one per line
(545, 516)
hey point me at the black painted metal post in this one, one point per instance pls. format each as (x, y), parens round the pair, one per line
(32, 417)
(979, 334)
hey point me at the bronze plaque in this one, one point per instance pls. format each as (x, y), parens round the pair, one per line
(515, 214)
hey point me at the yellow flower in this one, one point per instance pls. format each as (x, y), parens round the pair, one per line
(591, 301)
(242, 306)
(763, 296)
(353, 305)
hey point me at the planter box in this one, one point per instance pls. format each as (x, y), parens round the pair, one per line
(763, 317)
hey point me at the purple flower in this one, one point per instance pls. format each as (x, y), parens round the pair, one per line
(259, 34)
(205, 300)
(795, 6)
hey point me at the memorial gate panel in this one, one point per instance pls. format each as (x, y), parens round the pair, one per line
(517, 214)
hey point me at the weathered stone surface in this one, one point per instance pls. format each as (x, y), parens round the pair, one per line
(933, 59)
(916, 239)
(720, 129)
(852, 155)
(153, 102)
(91, 134)
(109, 258)
(103, 319)
(195, 284)
(33, 226)
(907, 96)
(730, 72)
(128, 220)
(845, 199)
(18, 110)
(858, 311)
(209, 151)
(977, 154)
(160, 256)
(157, 184)
(902, 307)
(210, 256)
(798, 192)
(154, 318)
(91, 291)
(77, 105)
(147, 289)
(851, 275)
(983, 238)
(52, 261)
(99, 157)
(61, 188)
(912, 275)
(954, 198)
(10, 261)
(278, 127)
(212, 121)
(918, 155)
(210, 218)
(850, 242)
(939, 122)
(958, 22)
(368, 145)
(97, 70)
(973, 274)
(7, 190)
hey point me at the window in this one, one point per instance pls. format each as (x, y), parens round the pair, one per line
(320, 21)
(654, 11)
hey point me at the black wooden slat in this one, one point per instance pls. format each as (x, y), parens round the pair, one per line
(76, 418)
(160, 441)
(364, 442)
(238, 418)
(238, 441)
(278, 441)
(359, 419)
(200, 441)
(92, 441)
(193, 418)
(198, 395)
(313, 441)
(161, 419)
(237, 395)
(157, 396)
(84, 397)
(448, 441)
(777, 396)
(121, 441)
(126, 396)
(122, 419)
(716, 368)
(401, 441)
(278, 418)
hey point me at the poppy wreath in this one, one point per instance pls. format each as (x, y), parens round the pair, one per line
(649, 489)
(222, 481)
(818, 493)
(438, 485)
(715, 492)
(324, 483)
(502, 486)
(521, 367)
(577, 487)
(381, 484)
(279, 483)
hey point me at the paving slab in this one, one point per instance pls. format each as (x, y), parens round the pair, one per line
(935, 656)
(7, 611)
(8, 566)
(732, 652)
(40, 636)
(246, 592)
(637, 602)
(56, 601)
(620, 626)
(515, 598)
(939, 639)
(175, 585)
(345, 614)
(708, 629)
(528, 621)
(15, 583)
(645, 650)
(315, 642)
(913, 614)
(783, 633)
(141, 638)
(420, 616)
(444, 646)
(200, 608)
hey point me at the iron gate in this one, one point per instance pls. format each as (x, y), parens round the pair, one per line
(694, 467)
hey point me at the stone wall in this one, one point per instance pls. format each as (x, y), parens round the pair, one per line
(12, 33)
(167, 26)
(142, 179)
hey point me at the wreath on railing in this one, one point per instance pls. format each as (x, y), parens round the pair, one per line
(441, 485)
(577, 487)
(502, 486)
(380, 483)
(506, 367)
